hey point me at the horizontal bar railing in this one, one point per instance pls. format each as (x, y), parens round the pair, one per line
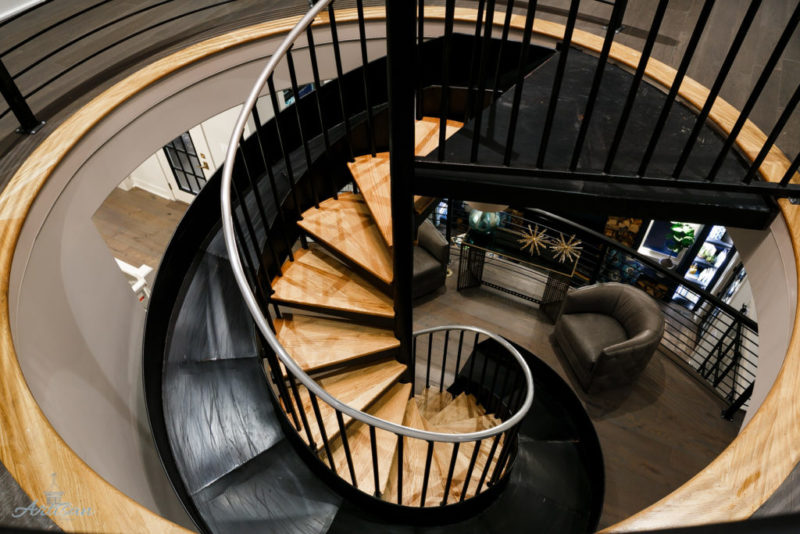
(717, 343)
(506, 387)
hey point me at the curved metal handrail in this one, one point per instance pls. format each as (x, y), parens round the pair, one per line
(261, 321)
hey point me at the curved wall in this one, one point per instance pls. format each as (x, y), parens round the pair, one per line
(77, 326)
(58, 210)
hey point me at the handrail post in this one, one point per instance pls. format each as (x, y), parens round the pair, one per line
(400, 25)
(28, 123)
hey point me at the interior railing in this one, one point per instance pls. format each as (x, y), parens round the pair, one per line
(715, 342)
(322, 132)
(483, 90)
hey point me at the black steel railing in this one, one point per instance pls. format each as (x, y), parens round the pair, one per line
(482, 162)
(716, 343)
(291, 163)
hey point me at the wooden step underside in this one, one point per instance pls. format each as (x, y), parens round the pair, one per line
(357, 387)
(318, 281)
(390, 407)
(316, 342)
(346, 226)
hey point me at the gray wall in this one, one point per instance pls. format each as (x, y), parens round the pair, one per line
(76, 324)
(724, 22)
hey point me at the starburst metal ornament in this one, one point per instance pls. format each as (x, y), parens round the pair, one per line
(566, 249)
(533, 239)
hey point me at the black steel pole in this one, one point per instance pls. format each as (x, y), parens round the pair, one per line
(28, 123)
(401, 72)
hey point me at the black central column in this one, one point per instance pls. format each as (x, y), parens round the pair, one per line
(400, 44)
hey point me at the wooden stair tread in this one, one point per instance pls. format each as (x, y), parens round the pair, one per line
(391, 406)
(373, 179)
(426, 134)
(431, 402)
(346, 226)
(317, 342)
(318, 280)
(358, 388)
(414, 455)
(461, 415)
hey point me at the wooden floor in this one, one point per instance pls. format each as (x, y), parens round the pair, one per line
(655, 435)
(137, 226)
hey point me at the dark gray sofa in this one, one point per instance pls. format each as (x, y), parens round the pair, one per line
(431, 256)
(608, 333)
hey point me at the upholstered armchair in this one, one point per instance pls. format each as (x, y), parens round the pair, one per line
(431, 256)
(608, 333)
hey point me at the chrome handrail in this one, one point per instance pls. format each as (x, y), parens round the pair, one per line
(261, 321)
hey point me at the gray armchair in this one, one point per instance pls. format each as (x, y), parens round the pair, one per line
(608, 333)
(431, 256)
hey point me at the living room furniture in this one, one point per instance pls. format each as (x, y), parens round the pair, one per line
(431, 256)
(608, 333)
(505, 245)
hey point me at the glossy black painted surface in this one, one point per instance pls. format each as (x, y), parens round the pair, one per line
(738, 209)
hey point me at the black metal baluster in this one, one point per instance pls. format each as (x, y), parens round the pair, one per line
(444, 359)
(337, 56)
(655, 26)
(346, 446)
(277, 377)
(413, 365)
(375, 476)
(472, 358)
(317, 84)
(298, 401)
(300, 129)
(28, 123)
(323, 434)
(251, 263)
(791, 170)
(271, 177)
(518, 86)
(474, 58)
(458, 356)
(482, 386)
(503, 41)
(504, 453)
(717, 86)
(471, 467)
(259, 207)
(769, 67)
(676, 84)
(450, 471)
(427, 474)
(562, 63)
(428, 365)
(444, 103)
(773, 136)
(399, 469)
(284, 154)
(616, 20)
(504, 392)
(485, 470)
(492, 394)
(478, 112)
(420, 40)
(364, 62)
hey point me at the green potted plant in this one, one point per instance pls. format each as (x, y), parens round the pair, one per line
(680, 236)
